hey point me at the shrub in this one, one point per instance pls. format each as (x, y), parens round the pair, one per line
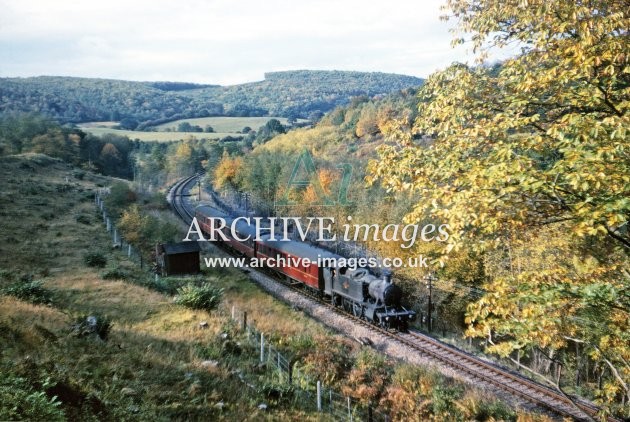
(115, 273)
(444, 400)
(276, 392)
(494, 410)
(29, 291)
(95, 259)
(19, 401)
(204, 297)
(96, 324)
(83, 219)
(167, 285)
(7, 274)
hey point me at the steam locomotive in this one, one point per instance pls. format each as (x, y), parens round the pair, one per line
(356, 290)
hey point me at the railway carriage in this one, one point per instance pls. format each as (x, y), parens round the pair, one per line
(291, 252)
(358, 291)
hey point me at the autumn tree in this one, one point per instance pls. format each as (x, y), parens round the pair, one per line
(110, 156)
(181, 163)
(229, 172)
(144, 230)
(532, 148)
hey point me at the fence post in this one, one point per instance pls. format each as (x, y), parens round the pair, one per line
(262, 347)
(349, 410)
(244, 320)
(115, 236)
(279, 366)
(232, 312)
(129, 251)
(331, 402)
(156, 277)
(109, 225)
(319, 396)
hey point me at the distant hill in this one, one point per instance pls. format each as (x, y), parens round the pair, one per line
(289, 94)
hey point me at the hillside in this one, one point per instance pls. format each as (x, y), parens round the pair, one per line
(142, 104)
(152, 359)
(149, 366)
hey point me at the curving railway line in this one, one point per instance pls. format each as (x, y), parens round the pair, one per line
(462, 362)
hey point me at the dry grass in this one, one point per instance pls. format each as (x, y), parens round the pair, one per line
(150, 366)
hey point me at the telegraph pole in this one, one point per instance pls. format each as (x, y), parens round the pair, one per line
(199, 185)
(429, 279)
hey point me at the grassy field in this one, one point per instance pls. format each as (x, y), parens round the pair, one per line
(150, 367)
(151, 136)
(223, 126)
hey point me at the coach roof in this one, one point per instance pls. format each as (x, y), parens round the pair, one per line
(299, 249)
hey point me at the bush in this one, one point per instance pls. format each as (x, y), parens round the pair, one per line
(29, 291)
(167, 285)
(19, 401)
(96, 324)
(115, 273)
(95, 259)
(205, 297)
(276, 392)
(494, 410)
(7, 274)
(444, 400)
(83, 219)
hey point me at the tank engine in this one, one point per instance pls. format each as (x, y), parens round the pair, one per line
(357, 290)
(366, 296)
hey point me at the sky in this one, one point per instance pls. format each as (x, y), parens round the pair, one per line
(221, 41)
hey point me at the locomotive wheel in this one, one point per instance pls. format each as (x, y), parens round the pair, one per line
(357, 310)
(347, 306)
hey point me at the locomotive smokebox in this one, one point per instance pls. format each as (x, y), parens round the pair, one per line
(385, 291)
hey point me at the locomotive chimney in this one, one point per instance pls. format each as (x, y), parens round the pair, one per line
(387, 277)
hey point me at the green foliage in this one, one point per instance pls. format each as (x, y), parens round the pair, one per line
(82, 100)
(83, 219)
(24, 133)
(187, 127)
(144, 230)
(29, 291)
(494, 410)
(119, 197)
(168, 285)
(272, 128)
(20, 401)
(444, 402)
(115, 273)
(95, 259)
(276, 392)
(205, 297)
(528, 165)
(92, 324)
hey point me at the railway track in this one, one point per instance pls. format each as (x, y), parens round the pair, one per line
(444, 354)
(176, 196)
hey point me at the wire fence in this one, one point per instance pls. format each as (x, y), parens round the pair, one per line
(308, 394)
(118, 241)
(440, 322)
